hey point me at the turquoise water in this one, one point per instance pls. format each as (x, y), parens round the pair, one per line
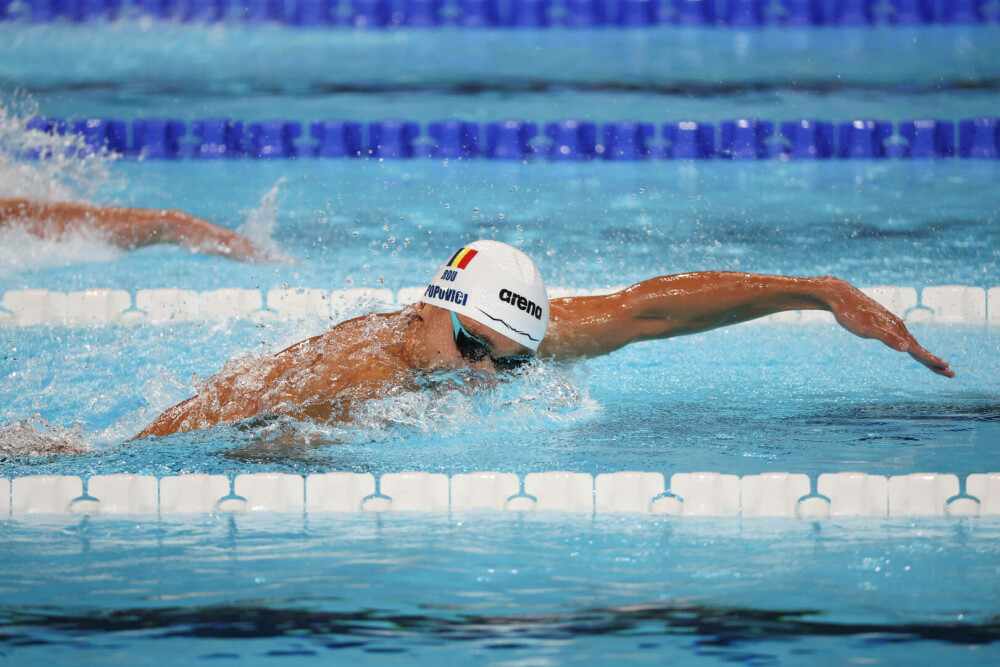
(387, 224)
(486, 590)
(475, 588)
(186, 72)
(747, 400)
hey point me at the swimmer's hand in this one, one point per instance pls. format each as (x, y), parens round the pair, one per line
(202, 236)
(865, 317)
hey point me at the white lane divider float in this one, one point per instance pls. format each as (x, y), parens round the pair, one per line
(945, 304)
(705, 494)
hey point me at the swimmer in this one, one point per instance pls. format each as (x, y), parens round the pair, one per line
(486, 309)
(128, 228)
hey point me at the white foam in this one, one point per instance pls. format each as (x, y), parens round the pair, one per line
(35, 436)
(22, 251)
(454, 402)
(60, 173)
(259, 223)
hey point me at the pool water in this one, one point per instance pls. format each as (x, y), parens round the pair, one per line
(752, 399)
(510, 588)
(155, 69)
(478, 589)
(387, 224)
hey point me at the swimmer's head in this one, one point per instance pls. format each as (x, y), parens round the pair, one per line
(496, 285)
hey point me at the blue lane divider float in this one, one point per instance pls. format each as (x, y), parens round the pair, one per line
(527, 14)
(337, 138)
(510, 140)
(811, 139)
(741, 139)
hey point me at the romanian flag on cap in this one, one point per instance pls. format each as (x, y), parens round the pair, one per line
(461, 259)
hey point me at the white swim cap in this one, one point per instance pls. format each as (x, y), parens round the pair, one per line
(496, 285)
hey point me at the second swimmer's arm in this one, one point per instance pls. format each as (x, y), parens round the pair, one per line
(693, 302)
(129, 227)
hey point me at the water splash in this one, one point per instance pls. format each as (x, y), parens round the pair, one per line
(461, 402)
(35, 436)
(259, 223)
(63, 170)
(21, 250)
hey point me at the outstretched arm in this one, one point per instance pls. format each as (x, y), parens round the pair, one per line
(689, 303)
(129, 228)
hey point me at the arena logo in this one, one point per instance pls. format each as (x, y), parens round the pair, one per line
(521, 303)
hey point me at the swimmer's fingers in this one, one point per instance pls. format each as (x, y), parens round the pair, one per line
(203, 236)
(935, 364)
(865, 317)
(236, 246)
(903, 341)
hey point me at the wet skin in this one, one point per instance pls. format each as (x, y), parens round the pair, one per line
(128, 228)
(324, 378)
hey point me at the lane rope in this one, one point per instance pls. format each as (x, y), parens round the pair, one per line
(945, 304)
(774, 494)
(521, 140)
(514, 14)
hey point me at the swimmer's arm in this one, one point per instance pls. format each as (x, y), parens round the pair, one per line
(129, 228)
(690, 303)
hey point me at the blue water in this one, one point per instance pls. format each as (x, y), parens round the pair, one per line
(751, 399)
(388, 224)
(185, 72)
(480, 588)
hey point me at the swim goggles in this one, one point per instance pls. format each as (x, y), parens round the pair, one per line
(475, 349)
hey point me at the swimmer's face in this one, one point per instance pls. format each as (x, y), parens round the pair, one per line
(477, 344)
